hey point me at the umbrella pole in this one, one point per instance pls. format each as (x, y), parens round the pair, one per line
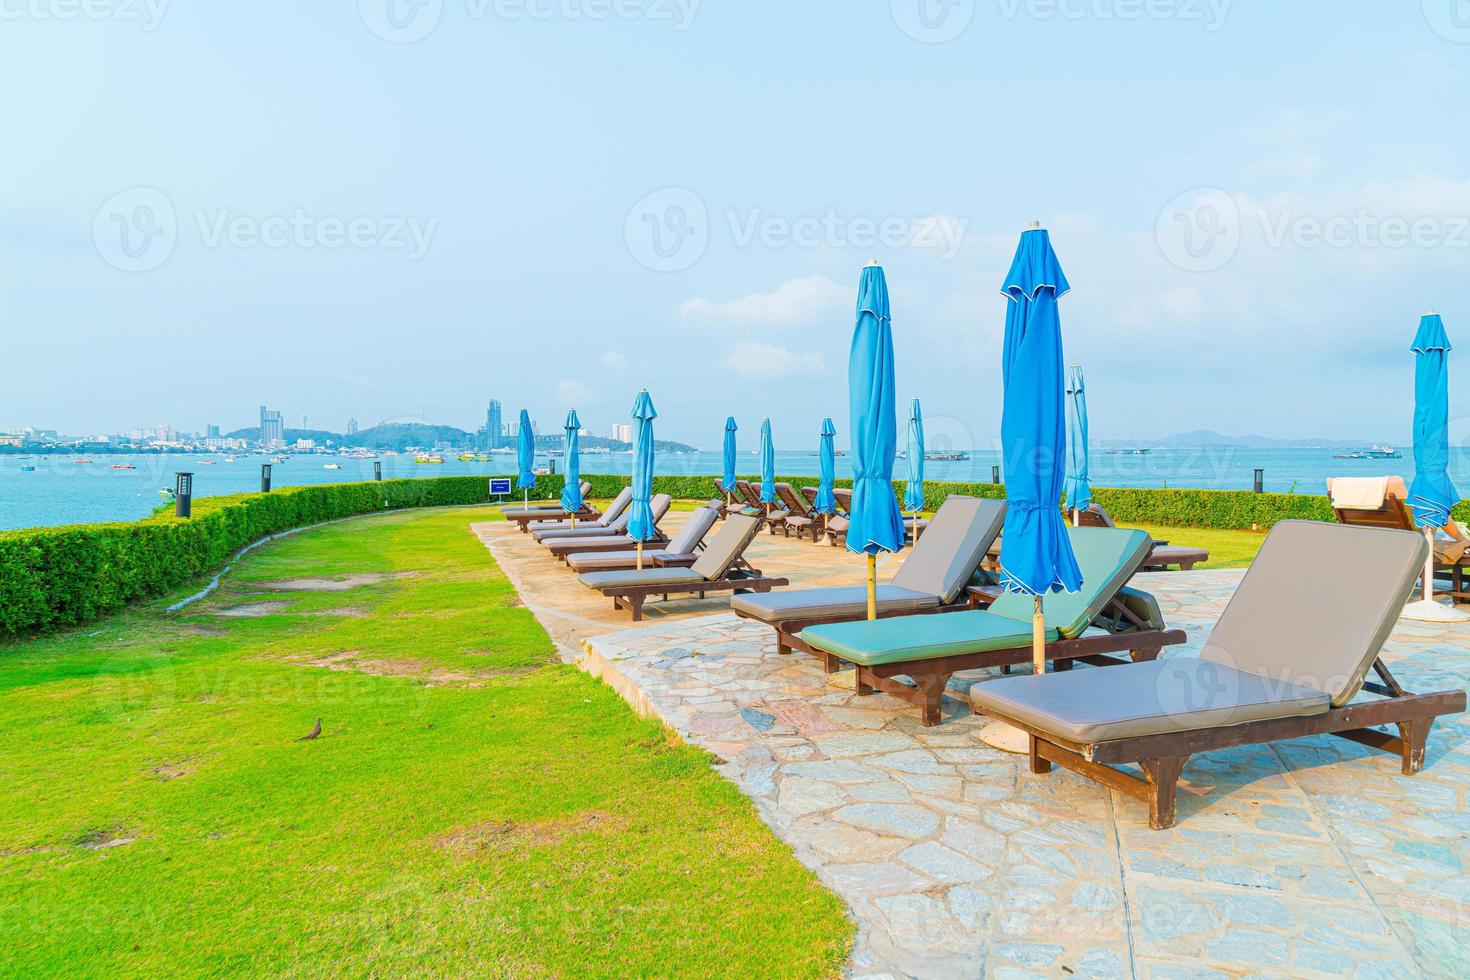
(640, 556)
(1038, 638)
(1429, 566)
(872, 586)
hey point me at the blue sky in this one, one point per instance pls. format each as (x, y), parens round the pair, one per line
(206, 207)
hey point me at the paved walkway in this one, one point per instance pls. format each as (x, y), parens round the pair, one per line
(1309, 858)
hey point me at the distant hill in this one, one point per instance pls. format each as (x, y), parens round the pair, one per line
(1208, 437)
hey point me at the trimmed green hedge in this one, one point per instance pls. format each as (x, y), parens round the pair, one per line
(62, 576)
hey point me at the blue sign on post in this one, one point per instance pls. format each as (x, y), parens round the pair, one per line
(499, 487)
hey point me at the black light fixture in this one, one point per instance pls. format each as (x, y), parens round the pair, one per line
(1260, 478)
(265, 478)
(377, 469)
(183, 493)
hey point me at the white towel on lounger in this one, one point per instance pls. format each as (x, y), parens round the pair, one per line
(1359, 492)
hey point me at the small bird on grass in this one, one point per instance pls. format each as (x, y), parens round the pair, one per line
(315, 731)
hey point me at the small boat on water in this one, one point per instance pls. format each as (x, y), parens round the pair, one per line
(28, 469)
(331, 466)
(81, 461)
(1377, 452)
(428, 459)
(947, 457)
(1129, 451)
(123, 466)
(474, 457)
(166, 493)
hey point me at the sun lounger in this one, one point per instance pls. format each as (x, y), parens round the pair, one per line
(774, 517)
(932, 578)
(612, 522)
(715, 571)
(681, 550)
(535, 514)
(516, 507)
(736, 501)
(1380, 502)
(837, 527)
(618, 529)
(930, 649)
(799, 517)
(614, 537)
(1161, 558)
(614, 510)
(1286, 659)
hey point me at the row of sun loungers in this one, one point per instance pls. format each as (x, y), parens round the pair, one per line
(1289, 657)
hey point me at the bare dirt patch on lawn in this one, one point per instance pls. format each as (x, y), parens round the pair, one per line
(315, 583)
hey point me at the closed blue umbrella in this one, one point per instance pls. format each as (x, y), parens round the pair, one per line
(571, 494)
(727, 482)
(640, 515)
(1432, 494)
(875, 522)
(1079, 492)
(913, 494)
(826, 502)
(768, 465)
(525, 456)
(1036, 554)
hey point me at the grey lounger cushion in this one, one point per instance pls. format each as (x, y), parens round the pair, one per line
(935, 572)
(798, 604)
(613, 512)
(603, 561)
(659, 505)
(1154, 698)
(648, 576)
(1288, 621)
(683, 543)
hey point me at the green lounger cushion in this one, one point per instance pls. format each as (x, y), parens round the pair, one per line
(903, 639)
(1108, 558)
(648, 576)
(1153, 698)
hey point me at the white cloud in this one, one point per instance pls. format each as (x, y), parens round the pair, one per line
(574, 392)
(795, 303)
(765, 362)
(614, 363)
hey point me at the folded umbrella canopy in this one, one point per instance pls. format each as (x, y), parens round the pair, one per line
(913, 494)
(640, 519)
(1432, 494)
(826, 502)
(727, 482)
(875, 523)
(525, 456)
(571, 494)
(768, 465)
(1079, 492)
(1036, 554)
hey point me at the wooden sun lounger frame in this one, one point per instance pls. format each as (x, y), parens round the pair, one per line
(1162, 757)
(773, 519)
(1394, 513)
(737, 580)
(1126, 634)
(799, 516)
(525, 520)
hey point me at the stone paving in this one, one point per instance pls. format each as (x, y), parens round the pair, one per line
(1308, 858)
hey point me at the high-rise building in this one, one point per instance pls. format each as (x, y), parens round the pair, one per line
(211, 432)
(352, 427)
(622, 432)
(272, 429)
(491, 433)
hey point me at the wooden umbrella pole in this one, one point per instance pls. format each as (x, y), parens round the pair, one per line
(1038, 638)
(640, 555)
(872, 586)
(1429, 566)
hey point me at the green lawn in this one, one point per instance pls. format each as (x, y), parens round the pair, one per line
(473, 806)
